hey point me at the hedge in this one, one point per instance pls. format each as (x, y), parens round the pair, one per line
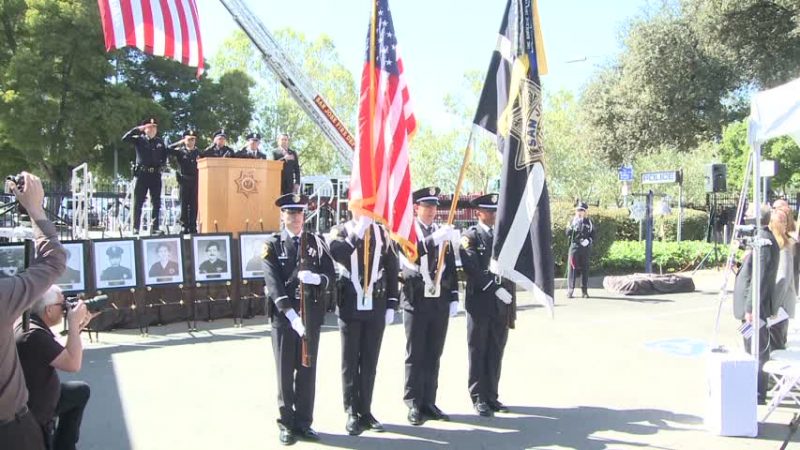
(628, 256)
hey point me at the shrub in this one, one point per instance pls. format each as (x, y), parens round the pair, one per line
(695, 224)
(628, 256)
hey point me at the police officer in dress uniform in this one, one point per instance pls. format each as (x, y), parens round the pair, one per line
(186, 153)
(581, 233)
(427, 307)
(70, 275)
(151, 155)
(290, 174)
(213, 264)
(292, 257)
(368, 298)
(488, 302)
(115, 271)
(218, 147)
(250, 150)
(165, 266)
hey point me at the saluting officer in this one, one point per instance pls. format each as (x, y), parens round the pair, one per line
(186, 155)
(218, 147)
(295, 259)
(151, 155)
(581, 233)
(368, 298)
(489, 302)
(250, 150)
(427, 308)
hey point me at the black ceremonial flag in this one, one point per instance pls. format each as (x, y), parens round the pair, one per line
(511, 108)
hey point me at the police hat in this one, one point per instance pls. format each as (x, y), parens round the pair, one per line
(150, 121)
(581, 206)
(114, 252)
(190, 133)
(219, 133)
(292, 201)
(488, 201)
(253, 137)
(427, 195)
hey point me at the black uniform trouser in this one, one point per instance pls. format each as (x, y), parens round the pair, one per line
(579, 266)
(188, 192)
(147, 181)
(361, 346)
(296, 384)
(71, 403)
(22, 433)
(778, 335)
(425, 335)
(763, 357)
(486, 341)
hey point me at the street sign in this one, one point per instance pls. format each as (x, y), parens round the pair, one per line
(663, 177)
(626, 173)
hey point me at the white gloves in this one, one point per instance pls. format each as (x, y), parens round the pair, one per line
(503, 295)
(361, 227)
(453, 309)
(389, 316)
(296, 322)
(446, 233)
(584, 242)
(309, 277)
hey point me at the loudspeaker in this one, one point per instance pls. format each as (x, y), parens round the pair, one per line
(716, 177)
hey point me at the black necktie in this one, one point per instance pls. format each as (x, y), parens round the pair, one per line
(296, 241)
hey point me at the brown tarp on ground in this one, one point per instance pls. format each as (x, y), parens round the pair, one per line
(648, 284)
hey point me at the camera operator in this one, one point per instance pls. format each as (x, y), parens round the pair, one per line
(18, 428)
(41, 354)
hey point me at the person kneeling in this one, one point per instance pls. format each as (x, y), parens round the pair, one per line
(40, 355)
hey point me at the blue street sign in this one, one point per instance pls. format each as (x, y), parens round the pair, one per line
(626, 173)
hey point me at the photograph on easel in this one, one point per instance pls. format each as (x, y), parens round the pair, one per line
(162, 260)
(12, 259)
(212, 257)
(74, 277)
(251, 248)
(114, 263)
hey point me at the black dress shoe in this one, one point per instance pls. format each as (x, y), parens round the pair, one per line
(585, 295)
(353, 426)
(415, 416)
(287, 437)
(307, 434)
(483, 409)
(435, 413)
(498, 407)
(369, 422)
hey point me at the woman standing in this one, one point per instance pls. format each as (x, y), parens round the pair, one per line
(785, 294)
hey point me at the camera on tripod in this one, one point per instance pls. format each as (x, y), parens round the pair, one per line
(93, 305)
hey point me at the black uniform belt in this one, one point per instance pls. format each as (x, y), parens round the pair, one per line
(17, 416)
(147, 169)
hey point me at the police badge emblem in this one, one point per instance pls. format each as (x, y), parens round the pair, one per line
(464, 242)
(432, 191)
(296, 198)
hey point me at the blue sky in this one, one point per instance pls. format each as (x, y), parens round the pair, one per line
(442, 39)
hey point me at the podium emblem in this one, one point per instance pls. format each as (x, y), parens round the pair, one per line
(246, 183)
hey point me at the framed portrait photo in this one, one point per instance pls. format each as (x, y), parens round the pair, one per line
(74, 277)
(212, 257)
(162, 260)
(251, 247)
(12, 259)
(114, 263)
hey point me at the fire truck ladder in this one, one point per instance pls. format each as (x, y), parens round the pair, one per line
(293, 79)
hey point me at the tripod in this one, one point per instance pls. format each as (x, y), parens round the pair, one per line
(711, 233)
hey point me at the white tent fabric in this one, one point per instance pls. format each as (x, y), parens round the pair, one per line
(775, 113)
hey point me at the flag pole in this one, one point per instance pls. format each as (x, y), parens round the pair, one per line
(372, 89)
(452, 215)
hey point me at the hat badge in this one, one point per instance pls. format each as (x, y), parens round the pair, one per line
(295, 198)
(494, 198)
(432, 191)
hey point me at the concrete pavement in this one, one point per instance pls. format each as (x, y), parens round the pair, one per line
(607, 373)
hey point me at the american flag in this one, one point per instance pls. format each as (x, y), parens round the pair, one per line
(169, 28)
(380, 186)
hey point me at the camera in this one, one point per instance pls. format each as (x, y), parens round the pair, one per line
(19, 180)
(93, 305)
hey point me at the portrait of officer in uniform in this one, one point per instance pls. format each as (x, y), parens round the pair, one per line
(162, 256)
(211, 256)
(250, 249)
(12, 260)
(213, 263)
(116, 273)
(72, 278)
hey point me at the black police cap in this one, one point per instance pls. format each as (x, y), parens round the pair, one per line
(150, 121)
(253, 137)
(581, 206)
(292, 201)
(220, 133)
(429, 194)
(190, 133)
(488, 201)
(114, 252)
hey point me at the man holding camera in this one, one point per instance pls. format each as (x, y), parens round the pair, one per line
(18, 428)
(41, 354)
(151, 156)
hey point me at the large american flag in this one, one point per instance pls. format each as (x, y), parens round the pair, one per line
(380, 185)
(169, 28)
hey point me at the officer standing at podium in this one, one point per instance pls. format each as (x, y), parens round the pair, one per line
(290, 175)
(218, 147)
(250, 150)
(186, 155)
(151, 156)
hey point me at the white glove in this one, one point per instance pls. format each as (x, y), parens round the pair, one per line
(308, 277)
(453, 309)
(455, 238)
(296, 322)
(363, 223)
(443, 233)
(584, 242)
(389, 316)
(503, 295)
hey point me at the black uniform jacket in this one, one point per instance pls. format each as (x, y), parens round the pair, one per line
(413, 298)
(149, 152)
(476, 253)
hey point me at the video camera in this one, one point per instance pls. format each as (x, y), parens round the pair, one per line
(93, 305)
(19, 180)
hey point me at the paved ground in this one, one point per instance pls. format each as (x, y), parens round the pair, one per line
(607, 373)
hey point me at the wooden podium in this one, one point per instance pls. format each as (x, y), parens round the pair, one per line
(233, 191)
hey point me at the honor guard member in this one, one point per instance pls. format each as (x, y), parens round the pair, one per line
(250, 150)
(151, 155)
(186, 153)
(115, 271)
(488, 302)
(581, 233)
(290, 174)
(368, 297)
(427, 307)
(296, 260)
(218, 147)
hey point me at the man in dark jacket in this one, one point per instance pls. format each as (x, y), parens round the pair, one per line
(151, 156)
(186, 153)
(250, 150)
(743, 298)
(218, 147)
(290, 175)
(581, 233)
